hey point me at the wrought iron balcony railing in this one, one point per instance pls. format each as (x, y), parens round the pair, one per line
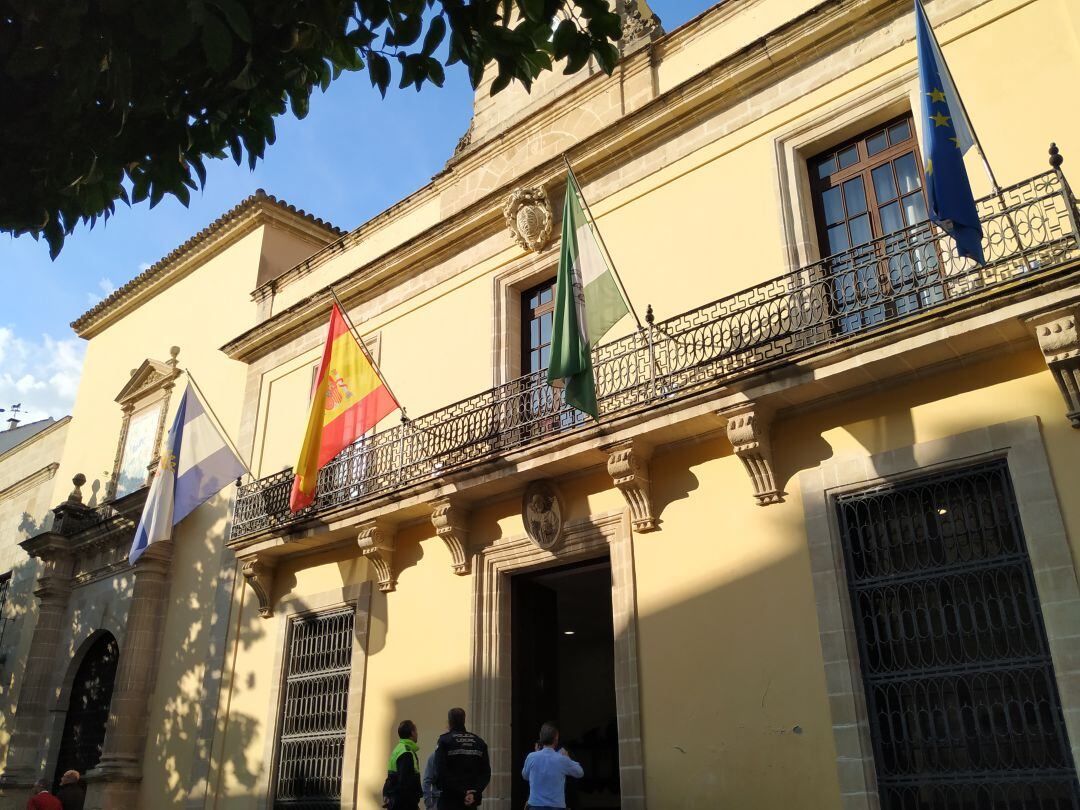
(1030, 231)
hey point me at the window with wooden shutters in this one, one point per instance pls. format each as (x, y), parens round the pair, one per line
(868, 195)
(311, 742)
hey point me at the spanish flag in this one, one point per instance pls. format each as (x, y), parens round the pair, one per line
(349, 400)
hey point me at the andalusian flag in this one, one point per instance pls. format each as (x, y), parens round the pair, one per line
(349, 400)
(587, 304)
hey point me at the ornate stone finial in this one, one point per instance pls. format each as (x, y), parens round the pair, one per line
(748, 431)
(464, 141)
(628, 466)
(451, 524)
(259, 575)
(76, 494)
(133, 372)
(649, 317)
(1059, 338)
(638, 24)
(528, 216)
(174, 352)
(543, 514)
(376, 542)
(1055, 156)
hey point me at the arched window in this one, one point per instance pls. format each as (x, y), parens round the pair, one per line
(88, 707)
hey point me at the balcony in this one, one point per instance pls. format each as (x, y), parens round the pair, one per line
(1031, 239)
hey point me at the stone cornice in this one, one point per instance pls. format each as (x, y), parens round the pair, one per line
(763, 62)
(41, 434)
(29, 482)
(258, 209)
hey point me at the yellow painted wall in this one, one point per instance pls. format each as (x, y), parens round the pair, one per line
(733, 690)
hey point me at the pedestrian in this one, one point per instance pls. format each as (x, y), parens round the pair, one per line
(546, 770)
(402, 790)
(41, 799)
(72, 791)
(462, 767)
(431, 793)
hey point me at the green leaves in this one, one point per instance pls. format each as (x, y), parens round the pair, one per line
(133, 98)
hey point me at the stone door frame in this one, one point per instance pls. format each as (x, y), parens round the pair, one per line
(491, 679)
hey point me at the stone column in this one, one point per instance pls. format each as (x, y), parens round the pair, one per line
(27, 748)
(115, 780)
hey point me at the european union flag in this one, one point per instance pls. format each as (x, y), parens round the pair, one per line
(196, 463)
(948, 137)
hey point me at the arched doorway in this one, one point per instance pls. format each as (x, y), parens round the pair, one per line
(88, 707)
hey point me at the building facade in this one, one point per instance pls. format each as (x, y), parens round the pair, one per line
(819, 550)
(29, 458)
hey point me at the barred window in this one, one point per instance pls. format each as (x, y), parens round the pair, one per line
(962, 698)
(311, 742)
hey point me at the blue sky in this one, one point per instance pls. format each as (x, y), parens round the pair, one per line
(352, 157)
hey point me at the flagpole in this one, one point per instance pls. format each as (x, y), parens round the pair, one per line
(603, 245)
(975, 137)
(220, 426)
(367, 354)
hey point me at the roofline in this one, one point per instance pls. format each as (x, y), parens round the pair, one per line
(761, 62)
(238, 221)
(34, 437)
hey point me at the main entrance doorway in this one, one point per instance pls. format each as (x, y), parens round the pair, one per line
(563, 659)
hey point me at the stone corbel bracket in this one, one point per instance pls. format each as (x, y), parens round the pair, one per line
(451, 522)
(628, 466)
(748, 431)
(258, 572)
(1059, 339)
(376, 543)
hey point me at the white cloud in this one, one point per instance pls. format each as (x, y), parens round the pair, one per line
(105, 289)
(41, 374)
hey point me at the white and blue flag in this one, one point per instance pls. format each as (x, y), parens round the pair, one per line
(196, 464)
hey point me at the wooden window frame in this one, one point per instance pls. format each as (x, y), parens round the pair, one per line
(528, 315)
(864, 166)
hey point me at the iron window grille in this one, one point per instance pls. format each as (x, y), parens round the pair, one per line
(961, 697)
(311, 738)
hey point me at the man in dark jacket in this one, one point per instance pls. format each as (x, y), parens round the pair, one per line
(72, 791)
(462, 767)
(402, 790)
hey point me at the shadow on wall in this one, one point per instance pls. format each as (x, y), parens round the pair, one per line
(183, 709)
(194, 673)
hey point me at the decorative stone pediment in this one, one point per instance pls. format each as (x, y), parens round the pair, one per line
(628, 466)
(376, 542)
(543, 514)
(1058, 333)
(451, 524)
(144, 400)
(529, 217)
(748, 432)
(149, 377)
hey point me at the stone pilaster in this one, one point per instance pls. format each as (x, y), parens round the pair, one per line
(1058, 334)
(451, 524)
(628, 466)
(258, 572)
(376, 542)
(115, 780)
(748, 431)
(27, 751)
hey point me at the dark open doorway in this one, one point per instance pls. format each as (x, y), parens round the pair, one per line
(88, 708)
(563, 658)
